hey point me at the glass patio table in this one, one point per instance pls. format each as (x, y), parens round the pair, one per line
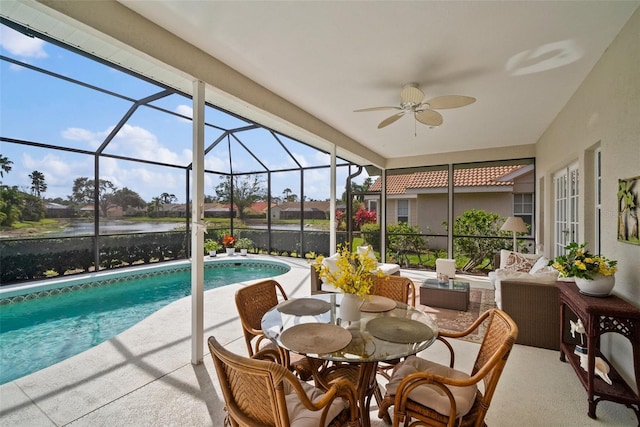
(387, 330)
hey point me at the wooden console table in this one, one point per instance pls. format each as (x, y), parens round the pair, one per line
(599, 316)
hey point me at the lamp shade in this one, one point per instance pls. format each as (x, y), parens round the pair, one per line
(515, 224)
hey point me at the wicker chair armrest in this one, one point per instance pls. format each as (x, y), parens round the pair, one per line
(418, 379)
(452, 354)
(475, 325)
(270, 354)
(339, 389)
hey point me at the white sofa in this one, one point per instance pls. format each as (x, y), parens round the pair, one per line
(520, 267)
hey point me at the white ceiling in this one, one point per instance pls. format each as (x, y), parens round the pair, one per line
(522, 60)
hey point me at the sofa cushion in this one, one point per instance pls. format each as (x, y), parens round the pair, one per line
(510, 260)
(430, 395)
(544, 275)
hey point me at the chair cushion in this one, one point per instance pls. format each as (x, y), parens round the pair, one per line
(389, 269)
(299, 416)
(429, 395)
(510, 260)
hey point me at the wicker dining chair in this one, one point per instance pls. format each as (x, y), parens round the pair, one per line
(397, 288)
(400, 289)
(259, 392)
(439, 395)
(252, 302)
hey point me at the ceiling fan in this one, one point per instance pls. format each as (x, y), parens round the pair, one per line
(412, 100)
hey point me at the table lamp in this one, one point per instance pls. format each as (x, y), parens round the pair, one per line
(514, 224)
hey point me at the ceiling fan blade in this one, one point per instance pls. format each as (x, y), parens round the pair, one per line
(429, 117)
(376, 109)
(411, 94)
(389, 120)
(450, 101)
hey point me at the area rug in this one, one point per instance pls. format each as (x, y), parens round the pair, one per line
(480, 300)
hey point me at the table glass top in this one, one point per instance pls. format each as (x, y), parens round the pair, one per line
(451, 284)
(407, 331)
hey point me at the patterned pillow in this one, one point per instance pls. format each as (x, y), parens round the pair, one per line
(517, 261)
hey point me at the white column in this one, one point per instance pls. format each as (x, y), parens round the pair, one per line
(382, 216)
(332, 202)
(450, 216)
(197, 229)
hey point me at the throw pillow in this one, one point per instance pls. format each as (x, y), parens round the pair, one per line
(517, 261)
(540, 264)
(332, 266)
(367, 251)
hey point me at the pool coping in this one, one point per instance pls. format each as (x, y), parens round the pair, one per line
(42, 288)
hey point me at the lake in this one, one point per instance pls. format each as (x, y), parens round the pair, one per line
(85, 228)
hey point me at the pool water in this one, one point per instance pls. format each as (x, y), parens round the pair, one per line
(40, 332)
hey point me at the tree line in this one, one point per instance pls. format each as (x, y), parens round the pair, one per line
(20, 204)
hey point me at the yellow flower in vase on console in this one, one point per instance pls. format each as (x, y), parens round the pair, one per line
(593, 274)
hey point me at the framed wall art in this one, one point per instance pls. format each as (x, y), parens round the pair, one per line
(628, 211)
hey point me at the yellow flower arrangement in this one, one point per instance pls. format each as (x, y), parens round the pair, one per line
(578, 262)
(353, 272)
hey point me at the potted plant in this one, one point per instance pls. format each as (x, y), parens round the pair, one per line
(212, 247)
(244, 244)
(228, 241)
(351, 272)
(593, 274)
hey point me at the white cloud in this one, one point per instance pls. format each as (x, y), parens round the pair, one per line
(78, 134)
(185, 110)
(20, 45)
(59, 172)
(140, 143)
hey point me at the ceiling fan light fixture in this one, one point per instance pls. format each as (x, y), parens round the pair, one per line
(412, 100)
(411, 95)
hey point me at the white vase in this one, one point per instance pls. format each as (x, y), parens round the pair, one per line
(350, 307)
(243, 252)
(599, 286)
(231, 251)
(212, 253)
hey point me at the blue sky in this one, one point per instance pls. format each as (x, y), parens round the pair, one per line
(42, 109)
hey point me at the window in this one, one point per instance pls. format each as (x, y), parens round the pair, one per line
(523, 207)
(403, 211)
(566, 208)
(373, 205)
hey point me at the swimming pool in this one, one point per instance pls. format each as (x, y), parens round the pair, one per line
(40, 329)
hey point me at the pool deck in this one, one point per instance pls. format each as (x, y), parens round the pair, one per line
(144, 376)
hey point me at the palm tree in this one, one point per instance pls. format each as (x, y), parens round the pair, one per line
(168, 198)
(5, 165)
(38, 186)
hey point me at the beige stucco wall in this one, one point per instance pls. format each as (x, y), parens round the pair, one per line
(604, 112)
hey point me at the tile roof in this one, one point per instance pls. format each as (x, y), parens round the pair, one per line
(308, 206)
(472, 177)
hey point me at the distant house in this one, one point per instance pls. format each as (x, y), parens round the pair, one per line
(56, 210)
(218, 210)
(291, 210)
(258, 209)
(421, 198)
